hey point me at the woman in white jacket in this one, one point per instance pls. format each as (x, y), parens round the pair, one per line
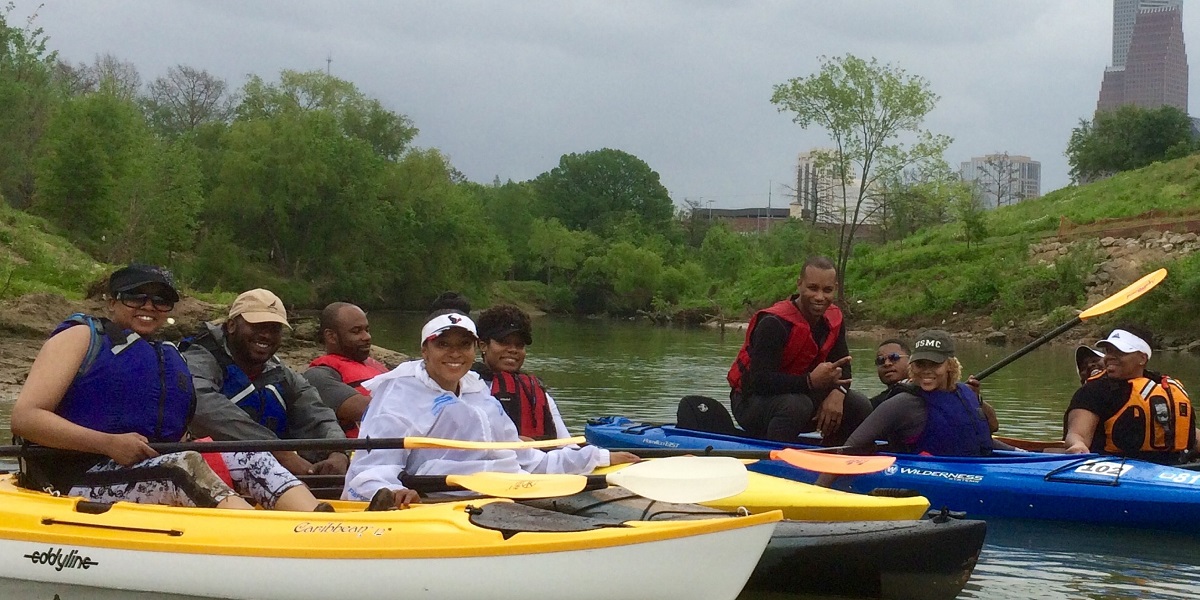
(439, 396)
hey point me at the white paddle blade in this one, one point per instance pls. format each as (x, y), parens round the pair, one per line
(684, 479)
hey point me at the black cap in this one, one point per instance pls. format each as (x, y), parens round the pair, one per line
(1083, 353)
(135, 276)
(933, 345)
(500, 331)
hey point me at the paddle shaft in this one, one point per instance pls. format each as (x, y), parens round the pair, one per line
(710, 451)
(431, 484)
(1061, 329)
(304, 445)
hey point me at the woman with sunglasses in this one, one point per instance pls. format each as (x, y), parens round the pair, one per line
(106, 388)
(1129, 410)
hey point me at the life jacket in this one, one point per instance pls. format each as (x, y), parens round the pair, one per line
(801, 354)
(524, 400)
(353, 374)
(263, 399)
(954, 424)
(128, 384)
(1157, 417)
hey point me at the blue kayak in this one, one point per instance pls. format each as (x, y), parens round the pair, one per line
(1083, 488)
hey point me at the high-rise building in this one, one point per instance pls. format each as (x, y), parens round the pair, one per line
(1149, 60)
(821, 198)
(1003, 179)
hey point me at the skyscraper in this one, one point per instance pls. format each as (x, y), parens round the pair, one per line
(1002, 179)
(1149, 60)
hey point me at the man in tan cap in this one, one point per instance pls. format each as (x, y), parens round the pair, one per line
(243, 392)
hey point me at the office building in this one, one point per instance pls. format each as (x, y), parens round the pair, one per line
(1003, 179)
(1149, 60)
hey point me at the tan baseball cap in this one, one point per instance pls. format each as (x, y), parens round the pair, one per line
(259, 306)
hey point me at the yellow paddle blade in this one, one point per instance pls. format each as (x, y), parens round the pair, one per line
(519, 485)
(835, 464)
(684, 479)
(1125, 296)
(424, 442)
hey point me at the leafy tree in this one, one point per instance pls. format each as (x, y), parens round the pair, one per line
(555, 249)
(93, 155)
(971, 210)
(508, 209)
(184, 99)
(600, 189)
(28, 98)
(916, 198)
(1127, 138)
(356, 115)
(725, 255)
(866, 108)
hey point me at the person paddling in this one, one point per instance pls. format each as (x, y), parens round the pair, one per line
(1129, 410)
(106, 388)
(439, 396)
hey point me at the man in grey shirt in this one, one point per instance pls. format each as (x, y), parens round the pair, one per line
(243, 392)
(339, 373)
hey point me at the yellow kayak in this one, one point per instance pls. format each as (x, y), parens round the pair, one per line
(481, 548)
(805, 502)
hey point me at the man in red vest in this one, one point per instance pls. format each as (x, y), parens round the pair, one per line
(339, 373)
(792, 374)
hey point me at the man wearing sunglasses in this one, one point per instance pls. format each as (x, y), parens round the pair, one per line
(891, 365)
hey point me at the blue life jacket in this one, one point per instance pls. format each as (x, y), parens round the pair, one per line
(263, 400)
(127, 383)
(954, 424)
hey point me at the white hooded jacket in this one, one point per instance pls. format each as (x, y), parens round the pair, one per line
(406, 402)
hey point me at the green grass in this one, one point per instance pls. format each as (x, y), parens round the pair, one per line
(34, 260)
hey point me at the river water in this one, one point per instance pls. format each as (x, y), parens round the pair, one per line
(604, 367)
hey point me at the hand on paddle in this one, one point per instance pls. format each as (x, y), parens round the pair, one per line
(620, 458)
(335, 464)
(129, 448)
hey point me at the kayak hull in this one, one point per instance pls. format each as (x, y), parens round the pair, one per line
(931, 558)
(1082, 488)
(434, 551)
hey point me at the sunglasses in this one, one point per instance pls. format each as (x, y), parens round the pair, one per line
(139, 300)
(893, 357)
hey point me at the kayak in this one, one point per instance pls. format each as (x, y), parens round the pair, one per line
(797, 501)
(480, 548)
(1082, 488)
(931, 558)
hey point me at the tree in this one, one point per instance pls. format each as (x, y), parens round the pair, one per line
(28, 98)
(1127, 138)
(601, 189)
(998, 179)
(184, 99)
(555, 249)
(357, 116)
(971, 210)
(865, 108)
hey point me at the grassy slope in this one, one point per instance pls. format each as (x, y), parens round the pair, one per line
(929, 276)
(32, 260)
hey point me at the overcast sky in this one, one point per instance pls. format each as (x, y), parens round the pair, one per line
(506, 88)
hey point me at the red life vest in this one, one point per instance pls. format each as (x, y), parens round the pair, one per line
(801, 354)
(524, 400)
(353, 374)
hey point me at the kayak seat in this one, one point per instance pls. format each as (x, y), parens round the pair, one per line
(701, 413)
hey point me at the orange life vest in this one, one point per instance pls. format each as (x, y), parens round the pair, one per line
(353, 374)
(1158, 413)
(801, 354)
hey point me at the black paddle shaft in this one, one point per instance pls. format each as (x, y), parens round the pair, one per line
(331, 445)
(1028, 348)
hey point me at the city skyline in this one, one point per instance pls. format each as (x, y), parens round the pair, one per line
(1149, 63)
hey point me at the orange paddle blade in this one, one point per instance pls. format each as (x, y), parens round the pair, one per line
(834, 464)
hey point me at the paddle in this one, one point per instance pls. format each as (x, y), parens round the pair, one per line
(811, 460)
(321, 444)
(679, 479)
(1109, 304)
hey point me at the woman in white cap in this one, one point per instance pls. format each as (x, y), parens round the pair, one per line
(439, 396)
(1130, 410)
(107, 388)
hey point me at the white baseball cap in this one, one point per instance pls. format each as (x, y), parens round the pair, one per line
(1125, 342)
(439, 324)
